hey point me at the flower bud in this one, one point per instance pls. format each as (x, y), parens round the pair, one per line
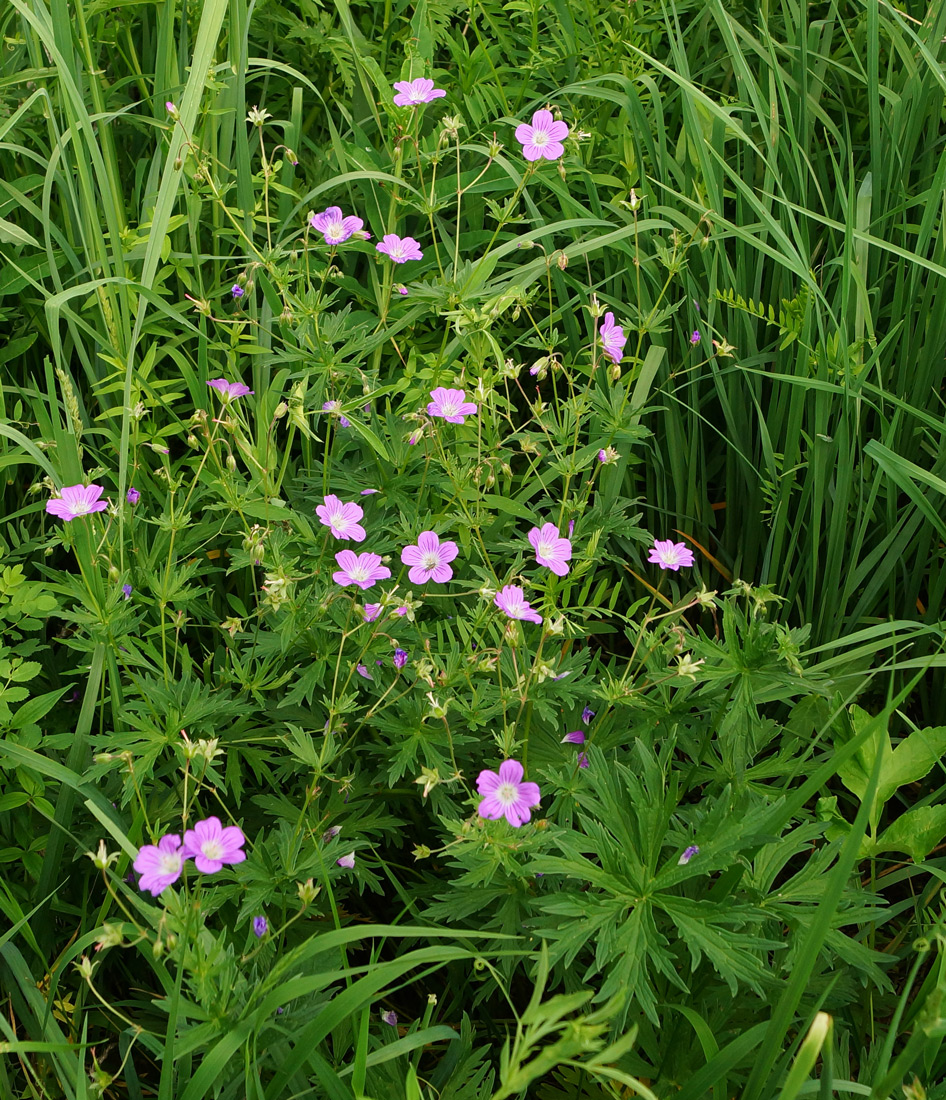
(308, 891)
(231, 463)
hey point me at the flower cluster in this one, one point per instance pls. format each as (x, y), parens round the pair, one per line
(209, 844)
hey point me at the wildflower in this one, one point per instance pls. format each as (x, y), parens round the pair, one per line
(260, 927)
(550, 550)
(389, 1018)
(400, 658)
(133, 496)
(695, 338)
(333, 407)
(415, 92)
(229, 390)
(237, 291)
(576, 737)
(159, 865)
(608, 456)
(369, 492)
(587, 714)
(127, 591)
(400, 249)
(612, 338)
(402, 290)
(451, 405)
(171, 109)
(341, 519)
(429, 559)
(363, 671)
(512, 601)
(543, 139)
(76, 500)
(506, 795)
(583, 760)
(670, 555)
(212, 845)
(360, 569)
(688, 854)
(347, 861)
(372, 611)
(402, 611)
(334, 226)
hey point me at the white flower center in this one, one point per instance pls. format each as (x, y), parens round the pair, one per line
(358, 573)
(430, 560)
(546, 549)
(540, 137)
(339, 521)
(450, 407)
(507, 793)
(334, 229)
(169, 863)
(81, 507)
(212, 849)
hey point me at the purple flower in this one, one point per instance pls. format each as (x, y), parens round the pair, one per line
(587, 714)
(543, 139)
(402, 611)
(506, 795)
(602, 455)
(389, 1018)
(159, 865)
(360, 569)
(512, 601)
(372, 611)
(341, 519)
(402, 290)
(333, 407)
(331, 833)
(212, 845)
(368, 492)
(400, 249)
(347, 861)
(695, 338)
(237, 291)
(414, 92)
(334, 226)
(362, 670)
(688, 854)
(170, 108)
(229, 390)
(550, 550)
(429, 559)
(260, 927)
(576, 737)
(612, 338)
(76, 500)
(571, 528)
(670, 555)
(583, 760)
(452, 405)
(133, 496)
(400, 658)
(127, 591)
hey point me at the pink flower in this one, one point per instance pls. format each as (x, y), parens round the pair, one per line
(133, 496)
(583, 760)
(212, 845)
(360, 569)
(400, 249)
(429, 559)
(362, 670)
(229, 390)
(550, 550)
(76, 500)
(341, 519)
(512, 601)
(452, 405)
(334, 226)
(670, 555)
(612, 338)
(369, 492)
(372, 611)
(414, 92)
(543, 139)
(333, 407)
(576, 737)
(159, 865)
(347, 861)
(506, 795)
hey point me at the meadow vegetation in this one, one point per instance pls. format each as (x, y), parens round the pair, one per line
(473, 549)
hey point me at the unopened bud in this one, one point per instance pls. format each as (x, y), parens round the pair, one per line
(231, 463)
(192, 441)
(281, 409)
(614, 372)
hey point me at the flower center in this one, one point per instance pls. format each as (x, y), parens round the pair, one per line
(450, 408)
(540, 137)
(507, 793)
(546, 549)
(170, 863)
(429, 560)
(358, 573)
(81, 508)
(212, 849)
(334, 229)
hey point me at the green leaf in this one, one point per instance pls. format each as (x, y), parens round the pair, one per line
(917, 832)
